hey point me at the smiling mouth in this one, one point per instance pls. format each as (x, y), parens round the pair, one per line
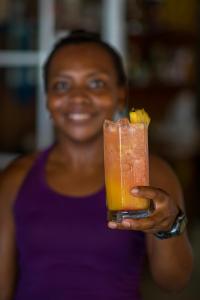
(79, 116)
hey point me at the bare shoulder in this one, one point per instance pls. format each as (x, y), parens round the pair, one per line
(163, 176)
(160, 170)
(12, 177)
(158, 165)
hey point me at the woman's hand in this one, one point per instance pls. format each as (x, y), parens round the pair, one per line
(162, 217)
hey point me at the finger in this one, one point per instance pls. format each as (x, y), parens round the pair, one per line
(141, 224)
(115, 225)
(157, 196)
(150, 193)
(147, 225)
(128, 224)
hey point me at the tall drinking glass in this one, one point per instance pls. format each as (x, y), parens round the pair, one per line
(126, 162)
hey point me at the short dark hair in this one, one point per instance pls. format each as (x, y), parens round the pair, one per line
(80, 37)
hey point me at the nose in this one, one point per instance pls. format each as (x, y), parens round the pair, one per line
(79, 96)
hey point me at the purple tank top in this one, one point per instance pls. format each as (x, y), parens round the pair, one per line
(63, 257)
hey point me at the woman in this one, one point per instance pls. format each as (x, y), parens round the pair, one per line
(54, 242)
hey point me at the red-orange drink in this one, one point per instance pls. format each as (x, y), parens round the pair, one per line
(126, 165)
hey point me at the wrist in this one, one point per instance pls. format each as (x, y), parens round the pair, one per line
(177, 228)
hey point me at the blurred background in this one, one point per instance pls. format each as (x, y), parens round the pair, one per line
(159, 41)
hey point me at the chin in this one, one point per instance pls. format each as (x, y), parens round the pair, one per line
(87, 138)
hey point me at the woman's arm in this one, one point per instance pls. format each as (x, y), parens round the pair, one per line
(8, 267)
(7, 254)
(10, 180)
(170, 260)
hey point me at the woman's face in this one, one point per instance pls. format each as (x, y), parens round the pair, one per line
(83, 91)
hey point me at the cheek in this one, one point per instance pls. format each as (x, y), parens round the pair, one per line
(108, 102)
(109, 107)
(54, 104)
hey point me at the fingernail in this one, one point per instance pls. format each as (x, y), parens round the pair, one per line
(112, 225)
(135, 190)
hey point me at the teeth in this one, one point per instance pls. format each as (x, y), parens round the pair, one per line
(79, 117)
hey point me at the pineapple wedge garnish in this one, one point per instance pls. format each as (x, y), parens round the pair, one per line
(139, 116)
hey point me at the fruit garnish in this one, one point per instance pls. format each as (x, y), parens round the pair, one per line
(139, 116)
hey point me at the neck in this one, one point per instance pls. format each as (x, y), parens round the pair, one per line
(81, 154)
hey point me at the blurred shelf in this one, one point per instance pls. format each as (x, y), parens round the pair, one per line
(169, 38)
(155, 97)
(159, 89)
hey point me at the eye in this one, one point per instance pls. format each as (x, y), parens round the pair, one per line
(96, 83)
(61, 86)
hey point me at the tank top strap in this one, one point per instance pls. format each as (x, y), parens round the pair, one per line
(42, 157)
(40, 161)
(35, 176)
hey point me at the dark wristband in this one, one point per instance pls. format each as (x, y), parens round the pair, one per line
(177, 228)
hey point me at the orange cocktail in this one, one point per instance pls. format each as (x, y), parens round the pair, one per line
(126, 165)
